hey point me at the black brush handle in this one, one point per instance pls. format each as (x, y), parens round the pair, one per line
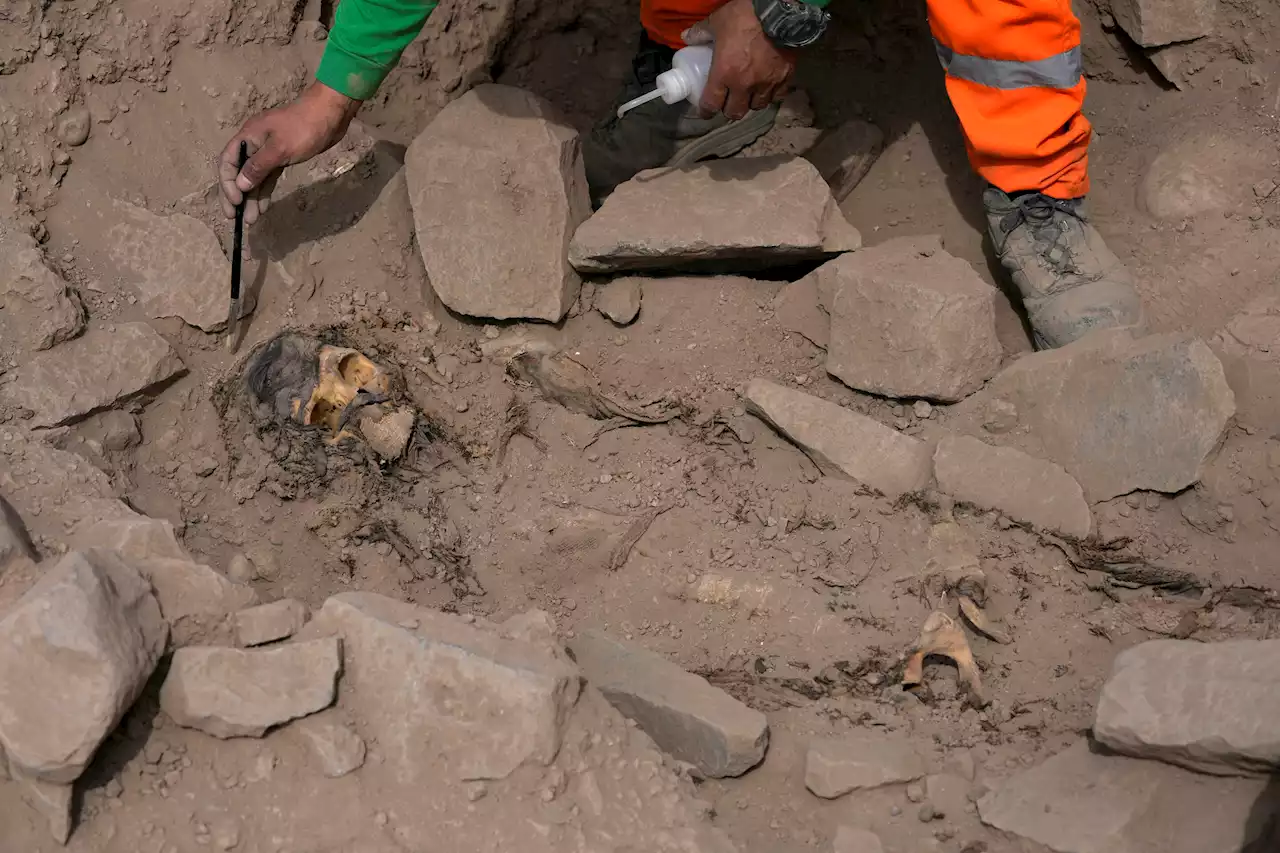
(237, 234)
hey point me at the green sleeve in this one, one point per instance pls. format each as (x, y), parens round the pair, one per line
(366, 41)
(821, 4)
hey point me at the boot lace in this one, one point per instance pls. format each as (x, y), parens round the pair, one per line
(1037, 210)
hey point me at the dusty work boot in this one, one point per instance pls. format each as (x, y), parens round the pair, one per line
(660, 134)
(1070, 282)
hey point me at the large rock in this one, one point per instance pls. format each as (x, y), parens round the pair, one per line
(493, 699)
(728, 215)
(93, 372)
(1155, 22)
(243, 693)
(1119, 413)
(909, 320)
(138, 537)
(175, 263)
(842, 442)
(1082, 802)
(859, 760)
(685, 716)
(1022, 487)
(1249, 347)
(52, 800)
(797, 310)
(498, 188)
(196, 600)
(1212, 707)
(53, 490)
(38, 309)
(75, 651)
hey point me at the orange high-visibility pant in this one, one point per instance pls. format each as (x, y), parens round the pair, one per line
(1013, 72)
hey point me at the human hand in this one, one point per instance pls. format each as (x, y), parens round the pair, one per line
(748, 71)
(277, 138)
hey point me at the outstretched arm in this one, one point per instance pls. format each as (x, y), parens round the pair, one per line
(366, 42)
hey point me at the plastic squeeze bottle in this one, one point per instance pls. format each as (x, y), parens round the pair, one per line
(690, 68)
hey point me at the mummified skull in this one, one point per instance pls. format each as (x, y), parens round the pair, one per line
(336, 389)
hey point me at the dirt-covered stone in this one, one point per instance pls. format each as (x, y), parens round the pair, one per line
(620, 300)
(1080, 801)
(54, 801)
(38, 308)
(852, 839)
(844, 155)
(727, 215)
(1155, 22)
(1119, 413)
(174, 263)
(1022, 487)
(1210, 707)
(685, 716)
(797, 310)
(75, 651)
(491, 700)
(909, 320)
(1249, 347)
(1202, 172)
(93, 372)
(267, 623)
(498, 188)
(337, 748)
(139, 537)
(841, 442)
(859, 760)
(244, 693)
(196, 600)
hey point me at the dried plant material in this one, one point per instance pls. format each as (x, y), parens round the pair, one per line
(942, 636)
(569, 383)
(979, 622)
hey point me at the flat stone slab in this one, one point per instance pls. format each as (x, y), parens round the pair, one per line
(101, 368)
(75, 652)
(175, 263)
(1210, 707)
(835, 766)
(497, 187)
(442, 695)
(909, 320)
(38, 308)
(727, 215)
(841, 442)
(1249, 347)
(244, 693)
(685, 716)
(1022, 487)
(1082, 802)
(268, 623)
(1119, 413)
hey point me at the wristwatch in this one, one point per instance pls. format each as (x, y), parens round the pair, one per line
(791, 24)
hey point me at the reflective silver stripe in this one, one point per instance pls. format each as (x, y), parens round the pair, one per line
(1062, 71)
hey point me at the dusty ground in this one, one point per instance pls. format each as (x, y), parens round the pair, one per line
(815, 580)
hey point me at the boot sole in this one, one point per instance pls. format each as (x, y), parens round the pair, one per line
(728, 140)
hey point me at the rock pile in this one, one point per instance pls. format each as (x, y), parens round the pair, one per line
(1170, 707)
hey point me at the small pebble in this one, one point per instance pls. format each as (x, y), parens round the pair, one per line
(923, 409)
(461, 406)
(915, 793)
(927, 813)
